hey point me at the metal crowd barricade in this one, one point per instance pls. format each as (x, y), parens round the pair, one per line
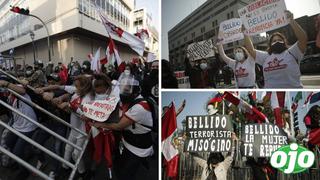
(37, 145)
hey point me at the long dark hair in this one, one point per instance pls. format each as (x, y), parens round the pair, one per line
(270, 41)
(214, 158)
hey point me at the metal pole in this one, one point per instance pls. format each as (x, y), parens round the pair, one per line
(29, 140)
(48, 35)
(45, 111)
(80, 156)
(291, 115)
(40, 125)
(14, 78)
(34, 52)
(25, 164)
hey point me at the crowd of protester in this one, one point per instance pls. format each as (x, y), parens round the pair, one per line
(130, 133)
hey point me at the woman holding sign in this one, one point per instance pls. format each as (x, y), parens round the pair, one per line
(281, 64)
(243, 66)
(216, 166)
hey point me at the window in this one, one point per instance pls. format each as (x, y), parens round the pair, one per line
(203, 29)
(231, 14)
(193, 35)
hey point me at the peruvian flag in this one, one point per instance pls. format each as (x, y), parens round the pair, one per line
(113, 56)
(314, 135)
(104, 146)
(169, 130)
(133, 41)
(307, 99)
(142, 34)
(277, 103)
(63, 74)
(95, 61)
(251, 112)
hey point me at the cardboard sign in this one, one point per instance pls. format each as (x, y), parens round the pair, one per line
(263, 15)
(230, 31)
(208, 134)
(200, 50)
(100, 110)
(260, 140)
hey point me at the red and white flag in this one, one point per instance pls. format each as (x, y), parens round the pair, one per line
(306, 102)
(314, 136)
(113, 56)
(133, 41)
(95, 62)
(142, 34)
(169, 132)
(251, 112)
(277, 100)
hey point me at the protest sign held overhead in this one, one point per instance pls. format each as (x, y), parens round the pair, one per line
(208, 134)
(230, 31)
(100, 110)
(200, 50)
(263, 15)
(260, 140)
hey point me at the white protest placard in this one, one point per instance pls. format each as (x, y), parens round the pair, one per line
(200, 50)
(263, 15)
(151, 57)
(230, 31)
(100, 110)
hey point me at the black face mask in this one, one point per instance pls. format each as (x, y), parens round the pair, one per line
(154, 73)
(126, 98)
(278, 47)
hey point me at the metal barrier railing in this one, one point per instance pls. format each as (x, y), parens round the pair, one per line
(46, 112)
(42, 148)
(74, 167)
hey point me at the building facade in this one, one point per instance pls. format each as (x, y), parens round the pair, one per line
(74, 26)
(202, 24)
(143, 20)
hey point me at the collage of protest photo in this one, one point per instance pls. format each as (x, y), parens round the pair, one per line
(240, 90)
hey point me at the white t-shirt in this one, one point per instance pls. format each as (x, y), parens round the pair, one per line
(141, 114)
(21, 124)
(244, 72)
(281, 70)
(75, 102)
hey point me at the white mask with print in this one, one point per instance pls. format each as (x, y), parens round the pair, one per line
(239, 56)
(127, 72)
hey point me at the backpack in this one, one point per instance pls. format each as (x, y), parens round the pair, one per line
(154, 112)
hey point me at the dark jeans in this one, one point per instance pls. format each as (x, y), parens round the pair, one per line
(17, 145)
(129, 165)
(42, 136)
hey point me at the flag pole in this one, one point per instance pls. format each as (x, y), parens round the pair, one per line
(291, 114)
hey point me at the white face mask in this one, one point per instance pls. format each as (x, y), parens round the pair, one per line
(127, 72)
(203, 66)
(239, 56)
(211, 110)
(101, 96)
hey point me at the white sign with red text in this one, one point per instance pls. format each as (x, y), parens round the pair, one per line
(263, 15)
(230, 31)
(100, 110)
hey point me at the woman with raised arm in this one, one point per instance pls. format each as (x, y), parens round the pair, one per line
(243, 67)
(281, 63)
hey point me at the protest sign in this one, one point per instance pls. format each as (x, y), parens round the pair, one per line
(263, 15)
(260, 140)
(100, 110)
(230, 31)
(208, 134)
(200, 50)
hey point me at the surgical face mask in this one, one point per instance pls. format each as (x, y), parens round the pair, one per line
(278, 47)
(239, 56)
(101, 96)
(203, 66)
(127, 72)
(211, 110)
(29, 73)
